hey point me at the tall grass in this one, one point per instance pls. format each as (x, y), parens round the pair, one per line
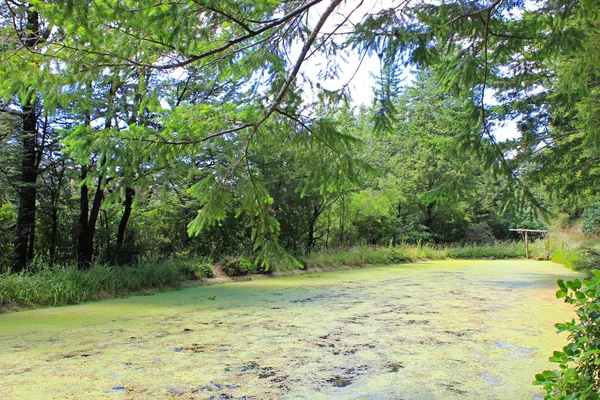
(365, 255)
(574, 249)
(71, 285)
(498, 250)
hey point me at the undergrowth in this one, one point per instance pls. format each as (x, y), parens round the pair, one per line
(499, 250)
(71, 285)
(575, 250)
(381, 255)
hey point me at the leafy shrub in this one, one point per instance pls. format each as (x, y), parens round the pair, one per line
(205, 270)
(478, 233)
(239, 266)
(417, 237)
(590, 259)
(194, 269)
(426, 253)
(397, 255)
(591, 217)
(187, 268)
(306, 262)
(578, 376)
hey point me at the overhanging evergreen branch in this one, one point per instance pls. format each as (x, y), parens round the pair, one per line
(280, 95)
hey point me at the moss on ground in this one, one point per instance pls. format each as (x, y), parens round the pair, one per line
(438, 330)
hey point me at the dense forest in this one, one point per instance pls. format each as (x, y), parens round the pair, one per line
(144, 131)
(148, 144)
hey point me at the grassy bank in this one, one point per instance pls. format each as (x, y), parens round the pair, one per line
(575, 250)
(381, 256)
(50, 287)
(70, 285)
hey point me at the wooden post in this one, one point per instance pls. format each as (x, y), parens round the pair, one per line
(526, 231)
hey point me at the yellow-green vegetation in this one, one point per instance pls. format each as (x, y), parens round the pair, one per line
(365, 255)
(434, 330)
(573, 249)
(59, 286)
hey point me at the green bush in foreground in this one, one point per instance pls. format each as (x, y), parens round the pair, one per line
(578, 376)
(71, 285)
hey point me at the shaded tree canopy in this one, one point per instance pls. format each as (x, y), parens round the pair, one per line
(114, 104)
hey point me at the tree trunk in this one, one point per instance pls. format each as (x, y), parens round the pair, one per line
(311, 236)
(104, 216)
(429, 214)
(91, 225)
(87, 217)
(53, 236)
(310, 243)
(25, 226)
(129, 194)
(55, 193)
(328, 229)
(84, 256)
(342, 222)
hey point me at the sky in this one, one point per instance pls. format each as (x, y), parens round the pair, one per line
(359, 75)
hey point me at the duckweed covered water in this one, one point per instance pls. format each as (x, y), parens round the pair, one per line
(438, 330)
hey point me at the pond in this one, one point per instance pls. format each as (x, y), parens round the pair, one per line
(435, 330)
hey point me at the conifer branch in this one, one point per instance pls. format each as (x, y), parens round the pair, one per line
(240, 39)
(476, 13)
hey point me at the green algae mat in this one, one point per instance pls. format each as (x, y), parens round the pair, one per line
(437, 330)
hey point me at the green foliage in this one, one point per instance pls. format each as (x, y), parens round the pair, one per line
(569, 258)
(205, 270)
(567, 245)
(591, 216)
(176, 101)
(498, 250)
(578, 376)
(358, 257)
(479, 233)
(195, 269)
(70, 285)
(540, 62)
(590, 258)
(7, 218)
(369, 255)
(240, 266)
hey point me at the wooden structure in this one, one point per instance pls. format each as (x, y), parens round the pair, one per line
(526, 232)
